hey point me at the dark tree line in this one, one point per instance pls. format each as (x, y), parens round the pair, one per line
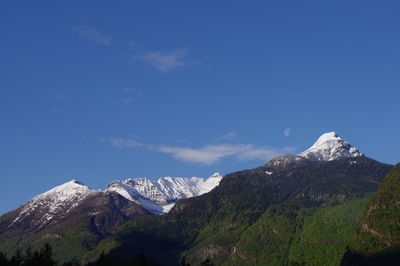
(44, 257)
(41, 257)
(110, 260)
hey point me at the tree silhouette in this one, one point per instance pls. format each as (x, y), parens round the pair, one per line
(3, 259)
(17, 259)
(42, 257)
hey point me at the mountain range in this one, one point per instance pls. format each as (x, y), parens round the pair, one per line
(293, 210)
(160, 196)
(94, 213)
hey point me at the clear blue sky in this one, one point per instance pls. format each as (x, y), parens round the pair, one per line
(99, 91)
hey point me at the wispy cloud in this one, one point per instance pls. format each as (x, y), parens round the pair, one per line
(210, 154)
(127, 101)
(287, 132)
(90, 33)
(121, 142)
(230, 136)
(207, 154)
(166, 61)
(128, 90)
(295, 93)
(129, 95)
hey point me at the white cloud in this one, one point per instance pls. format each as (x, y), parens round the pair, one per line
(213, 153)
(287, 132)
(208, 154)
(92, 34)
(121, 142)
(164, 62)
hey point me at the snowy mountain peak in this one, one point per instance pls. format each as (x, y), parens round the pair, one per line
(159, 196)
(215, 175)
(327, 137)
(68, 189)
(76, 182)
(55, 203)
(330, 146)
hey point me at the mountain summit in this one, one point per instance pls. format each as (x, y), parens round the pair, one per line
(52, 205)
(330, 146)
(159, 196)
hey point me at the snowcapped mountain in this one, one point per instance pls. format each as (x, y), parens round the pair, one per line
(74, 213)
(72, 199)
(328, 147)
(123, 199)
(70, 214)
(53, 204)
(160, 196)
(74, 216)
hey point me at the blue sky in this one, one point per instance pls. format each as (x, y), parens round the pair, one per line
(99, 91)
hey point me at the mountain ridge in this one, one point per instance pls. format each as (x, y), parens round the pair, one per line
(209, 227)
(205, 218)
(160, 195)
(157, 197)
